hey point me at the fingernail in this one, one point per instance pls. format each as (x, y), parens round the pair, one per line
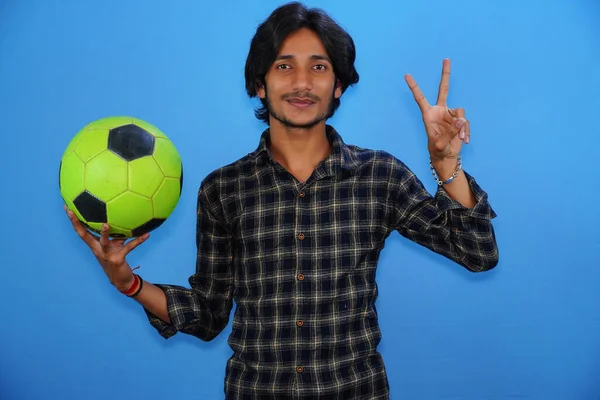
(460, 122)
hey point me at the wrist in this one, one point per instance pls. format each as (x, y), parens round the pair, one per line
(134, 288)
(445, 170)
(125, 285)
(444, 167)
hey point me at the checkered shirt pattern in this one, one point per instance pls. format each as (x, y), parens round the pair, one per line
(299, 261)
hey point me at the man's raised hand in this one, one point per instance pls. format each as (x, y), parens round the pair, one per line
(446, 128)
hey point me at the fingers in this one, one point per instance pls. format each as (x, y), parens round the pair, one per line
(418, 95)
(452, 116)
(104, 240)
(457, 116)
(135, 242)
(449, 117)
(83, 233)
(459, 112)
(444, 83)
(464, 132)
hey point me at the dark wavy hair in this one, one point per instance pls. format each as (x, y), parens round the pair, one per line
(284, 21)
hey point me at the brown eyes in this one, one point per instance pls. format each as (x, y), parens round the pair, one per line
(318, 67)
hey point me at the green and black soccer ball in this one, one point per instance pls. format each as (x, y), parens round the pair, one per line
(122, 171)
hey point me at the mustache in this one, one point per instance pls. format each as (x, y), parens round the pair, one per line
(302, 95)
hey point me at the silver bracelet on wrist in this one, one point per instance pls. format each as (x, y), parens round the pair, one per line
(454, 175)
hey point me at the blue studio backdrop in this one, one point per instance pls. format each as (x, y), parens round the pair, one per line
(527, 75)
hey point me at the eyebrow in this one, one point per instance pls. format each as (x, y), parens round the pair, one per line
(313, 57)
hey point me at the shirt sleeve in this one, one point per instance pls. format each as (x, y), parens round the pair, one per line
(443, 225)
(203, 309)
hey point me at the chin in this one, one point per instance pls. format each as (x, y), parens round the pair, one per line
(298, 118)
(301, 123)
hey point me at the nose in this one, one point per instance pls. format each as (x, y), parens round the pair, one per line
(302, 79)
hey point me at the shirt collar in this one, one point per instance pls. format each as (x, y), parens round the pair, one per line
(341, 156)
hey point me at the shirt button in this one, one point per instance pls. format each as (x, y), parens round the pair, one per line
(300, 277)
(301, 194)
(300, 323)
(301, 236)
(299, 370)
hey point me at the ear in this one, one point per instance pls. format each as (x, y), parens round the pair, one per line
(260, 90)
(338, 89)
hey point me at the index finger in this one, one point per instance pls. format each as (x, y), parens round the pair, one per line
(444, 83)
(418, 95)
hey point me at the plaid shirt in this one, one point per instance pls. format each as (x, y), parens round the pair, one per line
(299, 259)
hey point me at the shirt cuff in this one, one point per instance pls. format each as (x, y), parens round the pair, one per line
(174, 295)
(482, 208)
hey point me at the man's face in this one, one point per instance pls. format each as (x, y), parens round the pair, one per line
(300, 83)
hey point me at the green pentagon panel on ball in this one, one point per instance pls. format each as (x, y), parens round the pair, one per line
(122, 171)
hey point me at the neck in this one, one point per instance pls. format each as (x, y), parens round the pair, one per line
(299, 150)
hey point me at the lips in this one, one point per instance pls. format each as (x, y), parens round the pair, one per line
(301, 103)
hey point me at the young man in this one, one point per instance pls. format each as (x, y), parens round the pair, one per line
(292, 232)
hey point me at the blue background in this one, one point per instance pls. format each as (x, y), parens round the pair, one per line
(527, 75)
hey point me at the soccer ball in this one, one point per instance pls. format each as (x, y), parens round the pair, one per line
(122, 171)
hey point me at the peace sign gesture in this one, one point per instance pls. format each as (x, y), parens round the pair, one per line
(446, 128)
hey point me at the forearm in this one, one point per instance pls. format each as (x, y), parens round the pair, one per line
(456, 222)
(152, 298)
(172, 308)
(459, 188)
